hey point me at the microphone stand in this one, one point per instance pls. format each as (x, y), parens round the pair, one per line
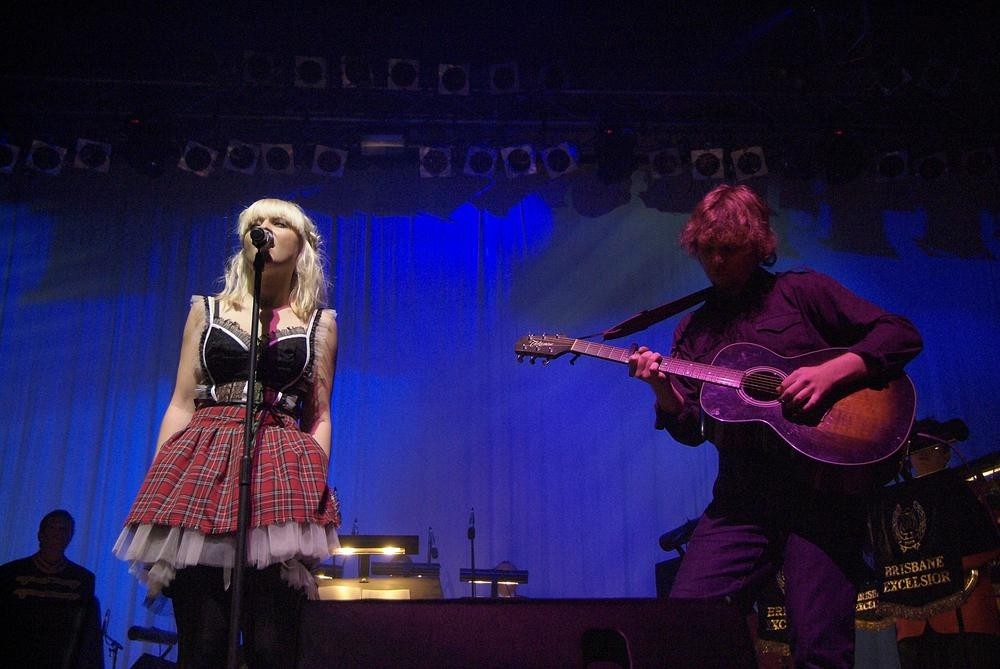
(472, 549)
(243, 517)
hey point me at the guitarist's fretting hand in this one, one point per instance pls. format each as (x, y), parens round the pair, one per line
(808, 387)
(644, 364)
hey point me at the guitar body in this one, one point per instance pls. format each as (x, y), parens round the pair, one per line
(864, 426)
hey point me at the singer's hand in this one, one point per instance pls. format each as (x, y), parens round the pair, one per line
(644, 365)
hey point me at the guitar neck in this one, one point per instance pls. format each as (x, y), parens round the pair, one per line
(721, 376)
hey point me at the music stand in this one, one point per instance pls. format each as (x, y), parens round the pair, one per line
(367, 545)
(495, 577)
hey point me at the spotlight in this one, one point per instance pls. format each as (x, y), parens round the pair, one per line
(310, 72)
(891, 166)
(616, 157)
(241, 157)
(979, 162)
(552, 78)
(329, 161)
(519, 160)
(258, 68)
(707, 164)
(355, 72)
(197, 158)
(92, 155)
(45, 158)
(560, 159)
(8, 157)
(841, 157)
(666, 163)
(435, 161)
(403, 74)
(278, 158)
(453, 79)
(503, 78)
(932, 166)
(749, 162)
(480, 161)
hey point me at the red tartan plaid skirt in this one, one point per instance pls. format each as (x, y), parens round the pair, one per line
(194, 480)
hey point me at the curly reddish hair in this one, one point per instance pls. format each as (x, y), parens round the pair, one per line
(731, 216)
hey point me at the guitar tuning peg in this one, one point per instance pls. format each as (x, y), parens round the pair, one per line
(545, 363)
(572, 360)
(520, 358)
(532, 359)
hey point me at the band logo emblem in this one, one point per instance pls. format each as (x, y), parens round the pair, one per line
(909, 526)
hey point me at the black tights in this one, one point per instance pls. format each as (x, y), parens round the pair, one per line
(271, 611)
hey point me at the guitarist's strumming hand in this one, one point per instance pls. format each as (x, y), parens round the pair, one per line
(808, 387)
(644, 364)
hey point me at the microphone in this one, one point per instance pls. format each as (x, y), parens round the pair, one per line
(432, 550)
(152, 635)
(262, 238)
(472, 524)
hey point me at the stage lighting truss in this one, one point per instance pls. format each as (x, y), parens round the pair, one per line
(92, 155)
(45, 158)
(519, 160)
(504, 78)
(310, 72)
(931, 166)
(979, 162)
(560, 159)
(329, 161)
(749, 163)
(892, 166)
(197, 159)
(480, 161)
(8, 157)
(665, 163)
(707, 164)
(355, 72)
(278, 158)
(403, 74)
(453, 79)
(259, 68)
(435, 161)
(241, 157)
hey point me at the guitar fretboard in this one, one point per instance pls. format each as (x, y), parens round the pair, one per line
(695, 370)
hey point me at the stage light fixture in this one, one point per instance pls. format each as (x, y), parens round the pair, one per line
(435, 161)
(665, 163)
(258, 68)
(519, 160)
(707, 164)
(278, 158)
(329, 161)
(310, 72)
(453, 79)
(749, 162)
(45, 158)
(241, 157)
(92, 155)
(616, 159)
(932, 165)
(841, 156)
(891, 166)
(560, 159)
(197, 159)
(403, 74)
(979, 162)
(480, 161)
(8, 157)
(355, 72)
(504, 78)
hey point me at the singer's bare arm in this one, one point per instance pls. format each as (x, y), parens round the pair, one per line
(181, 407)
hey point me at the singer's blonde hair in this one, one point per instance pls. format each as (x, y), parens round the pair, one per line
(309, 284)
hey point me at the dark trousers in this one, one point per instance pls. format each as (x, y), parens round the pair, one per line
(732, 555)
(270, 625)
(949, 651)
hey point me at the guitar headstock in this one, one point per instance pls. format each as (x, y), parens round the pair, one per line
(543, 346)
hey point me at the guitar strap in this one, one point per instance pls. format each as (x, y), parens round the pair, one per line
(644, 319)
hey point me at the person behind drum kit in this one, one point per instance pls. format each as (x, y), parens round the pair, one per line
(49, 616)
(967, 636)
(763, 515)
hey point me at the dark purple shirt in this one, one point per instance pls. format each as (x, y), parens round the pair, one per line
(790, 313)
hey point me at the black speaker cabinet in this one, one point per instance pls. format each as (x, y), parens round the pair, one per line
(524, 633)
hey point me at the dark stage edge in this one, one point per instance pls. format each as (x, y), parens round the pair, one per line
(524, 633)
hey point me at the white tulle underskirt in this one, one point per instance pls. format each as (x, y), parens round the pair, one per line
(156, 552)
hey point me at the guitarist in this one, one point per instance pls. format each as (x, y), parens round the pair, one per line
(763, 515)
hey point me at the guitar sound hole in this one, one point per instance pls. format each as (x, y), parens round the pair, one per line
(762, 385)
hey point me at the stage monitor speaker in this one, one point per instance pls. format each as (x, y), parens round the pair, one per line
(524, 633)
